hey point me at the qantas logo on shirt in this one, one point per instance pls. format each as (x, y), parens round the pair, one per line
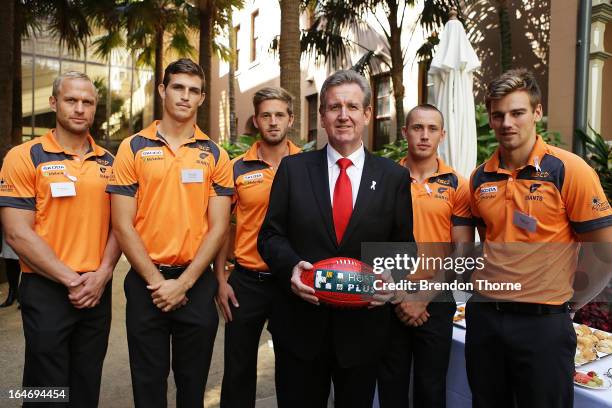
(534, 187)
(149, 153)
(253, 178)
(53, 167)
(441, 190)
(487, 190)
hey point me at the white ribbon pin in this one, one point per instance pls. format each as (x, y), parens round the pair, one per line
(373, 186)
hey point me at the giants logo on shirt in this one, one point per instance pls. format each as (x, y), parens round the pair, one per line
(5, 186)
(599, 205)
(253, 178)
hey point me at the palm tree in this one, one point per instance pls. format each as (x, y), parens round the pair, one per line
(214, 17)
(328, 37)
(7, 16)
(289, 53)
(68, 22)
(147, 23)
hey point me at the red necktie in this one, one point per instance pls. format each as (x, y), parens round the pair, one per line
(343, 199)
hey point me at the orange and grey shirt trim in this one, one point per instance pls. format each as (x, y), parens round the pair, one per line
(75, 227)
(439, 204)
(253, 181)
(562, 196)
(172, 190)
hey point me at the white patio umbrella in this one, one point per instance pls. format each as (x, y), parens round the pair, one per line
(451, 72)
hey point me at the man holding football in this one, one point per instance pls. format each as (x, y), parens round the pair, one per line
(324, 204)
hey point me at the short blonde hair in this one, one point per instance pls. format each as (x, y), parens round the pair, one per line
(57, 83)
(513, 80)
(272, 92)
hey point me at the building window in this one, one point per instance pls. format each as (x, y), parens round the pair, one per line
(313, 114)
(236, 47)
(383, 95)
(254, 34)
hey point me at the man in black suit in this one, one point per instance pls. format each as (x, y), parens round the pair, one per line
(324, 204)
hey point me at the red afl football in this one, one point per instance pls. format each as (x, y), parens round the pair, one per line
(342, 282)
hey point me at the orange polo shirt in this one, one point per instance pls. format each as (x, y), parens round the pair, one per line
(67, 194)
(439, 204)
(549, 200)
(253, 180)
(171, 190)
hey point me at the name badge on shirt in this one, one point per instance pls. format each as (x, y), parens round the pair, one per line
(65, 189)
(524, 221)
(192, 176)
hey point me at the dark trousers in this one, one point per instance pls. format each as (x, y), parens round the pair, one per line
(255, 295)
(187, 333)
(518, 359)
(65, 346)
(427, 348)
(306, 383)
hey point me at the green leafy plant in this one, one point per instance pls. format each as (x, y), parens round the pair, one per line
(599, 156)
(394, 151)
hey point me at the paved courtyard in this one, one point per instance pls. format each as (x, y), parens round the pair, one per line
(116, 389)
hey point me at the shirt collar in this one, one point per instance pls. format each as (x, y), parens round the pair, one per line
(150, 132)
(443, 168)
(540, 148)
(251, 154)
(50, 145)
(357, 157)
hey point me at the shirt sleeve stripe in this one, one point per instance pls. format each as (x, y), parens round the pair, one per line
(462, 221)
(591, 225)
(129, 190)
(22, 203)
(223, 191)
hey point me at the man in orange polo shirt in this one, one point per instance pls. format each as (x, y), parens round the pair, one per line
(56, 216)
(532, 202)
(421, 331)
(246, 296)
(170, 208)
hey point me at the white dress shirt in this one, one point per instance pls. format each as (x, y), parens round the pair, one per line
(354, 172)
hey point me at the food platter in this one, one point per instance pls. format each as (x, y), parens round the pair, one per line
(591, 380)
(591, 344)
(459, 317)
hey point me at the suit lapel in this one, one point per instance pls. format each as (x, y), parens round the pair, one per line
(319, 181)
(371, 173)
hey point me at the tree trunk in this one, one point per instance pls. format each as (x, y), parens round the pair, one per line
(158, 109)
(290, 53)
(17, 133)
(206, 29)
(505, 35)
(7, 31)
(397, 70)
(231, 81)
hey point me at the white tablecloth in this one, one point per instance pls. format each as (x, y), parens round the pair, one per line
(458, 393)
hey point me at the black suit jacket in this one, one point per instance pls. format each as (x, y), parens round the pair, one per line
(299, 226)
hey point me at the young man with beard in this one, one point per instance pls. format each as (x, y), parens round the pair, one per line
(56, 216)
(421, 331)
(171, 203)
(246, 297)
(531, 203)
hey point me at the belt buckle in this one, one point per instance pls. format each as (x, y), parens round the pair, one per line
(260, 277)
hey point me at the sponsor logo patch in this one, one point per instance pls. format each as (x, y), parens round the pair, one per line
(150, 153)
(599, 205)
(441, 190)
(253, 178)
(53, 167)
(488, 190)
(540, 174)
(534, 187)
